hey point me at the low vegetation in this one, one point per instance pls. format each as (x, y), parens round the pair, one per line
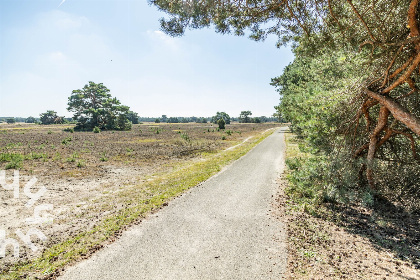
(116, 178)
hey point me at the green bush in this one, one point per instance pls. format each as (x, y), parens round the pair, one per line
(221, 123)
(185, 137)
(69, 129)
(14, 161)
(103, 157)
(96, 129)
(66, 140)
(14, 165)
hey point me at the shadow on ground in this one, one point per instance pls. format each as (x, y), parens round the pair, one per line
(386, 226)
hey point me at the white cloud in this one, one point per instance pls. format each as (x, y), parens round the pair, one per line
(161, 37)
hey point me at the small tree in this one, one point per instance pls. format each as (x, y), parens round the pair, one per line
(10, 120)
(244, 117)
(30, 120)
(51, 117)
(133, 117)
(221, 115)
(221, 123)
(157, 121)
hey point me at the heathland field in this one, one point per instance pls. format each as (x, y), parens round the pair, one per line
(100, 183)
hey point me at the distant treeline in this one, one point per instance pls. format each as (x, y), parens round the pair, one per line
(163, 119)
(28, 120)
(166, 119)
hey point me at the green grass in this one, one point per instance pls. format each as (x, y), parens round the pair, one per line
(305, 195)
(164, 187)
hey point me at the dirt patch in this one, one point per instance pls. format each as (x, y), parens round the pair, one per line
(351, 242)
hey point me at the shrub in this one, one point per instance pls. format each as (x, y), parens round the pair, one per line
(103, 157)
(221, 123)
(185, 137)
(73, 157)
(69, 129)
(66, 140)
(96, 129)
(14, 160)
(15, 164)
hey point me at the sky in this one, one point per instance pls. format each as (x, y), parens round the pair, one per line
(50, 47)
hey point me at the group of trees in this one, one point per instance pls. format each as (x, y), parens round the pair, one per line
(353, 90)
(50, 117)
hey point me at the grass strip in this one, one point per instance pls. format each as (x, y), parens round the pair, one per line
(161, 190)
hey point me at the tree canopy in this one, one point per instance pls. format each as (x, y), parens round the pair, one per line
(30, 120)
(244, 117)
(221, 115)
(50, 117)
(93, 106)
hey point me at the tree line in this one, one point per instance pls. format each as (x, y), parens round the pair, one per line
(93, 107)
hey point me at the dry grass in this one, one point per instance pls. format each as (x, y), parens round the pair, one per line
(124, 176)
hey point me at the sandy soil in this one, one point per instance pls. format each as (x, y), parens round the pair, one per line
(351, 242)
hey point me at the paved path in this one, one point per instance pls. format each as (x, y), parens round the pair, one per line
(222, 229)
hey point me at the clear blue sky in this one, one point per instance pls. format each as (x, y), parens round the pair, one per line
(47, 50)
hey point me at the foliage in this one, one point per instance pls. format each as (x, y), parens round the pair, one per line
(314, 97)
(51, 117)
(66, 140)
(173, 120)
(133, 117)
(69, 129)
(157, 121)
(185, 137)
(30, 120)
(221, 115)
(93, 106)
(14, 161)
(244, 117)
(96, 129)
(221, 123)
(10, 120)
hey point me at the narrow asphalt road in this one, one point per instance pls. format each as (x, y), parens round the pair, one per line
(222, 229)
